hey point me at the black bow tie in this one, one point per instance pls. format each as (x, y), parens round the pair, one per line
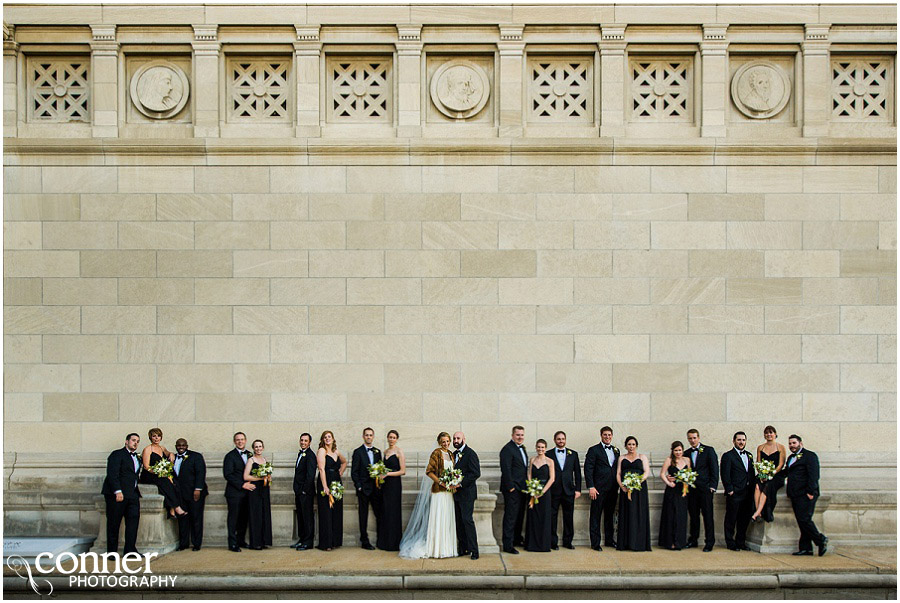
(247, 452)
(368, 450)
(133, 454)
(608, 447)
(692, 449)
(179, 456)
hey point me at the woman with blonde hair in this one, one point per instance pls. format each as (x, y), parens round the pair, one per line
(152, 454)
(332, 465)
(431, 531)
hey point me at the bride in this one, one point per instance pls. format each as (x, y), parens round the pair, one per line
(431, 531)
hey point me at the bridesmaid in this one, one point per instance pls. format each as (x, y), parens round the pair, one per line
(537, 531)
(152, 454)
(332, 465)
(390, 528)
(634, 514)
(765, 492)
(258, 501)
(673, 520)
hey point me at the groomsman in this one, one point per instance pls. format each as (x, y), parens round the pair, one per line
(513, 473)
(700, 497)
(803, 490)
(366, 492)
(123, 499)
(465, 459)
(305, 493)
(236, 493)
(190, 479)
(737, 479)
(600, 475)
(565, 489)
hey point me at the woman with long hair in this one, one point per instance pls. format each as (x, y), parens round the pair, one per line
(258, 501)
(765, 491)
(332, 465)
(674, 516)
(431, 531)
(152, 454)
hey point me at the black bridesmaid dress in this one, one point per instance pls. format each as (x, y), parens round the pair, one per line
(634, 514)
(165, 487)
(390, 528)
(537, 532)
(673, 520)
(331, 519)
(771, 487)
(260, 515)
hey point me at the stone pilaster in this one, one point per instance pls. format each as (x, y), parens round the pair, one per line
(815, 79)
(714, 79)
(105, 77)
(409, 81)
(206, 80)
(512, 56)
(307, 61)
(612, 80)
(10, 97)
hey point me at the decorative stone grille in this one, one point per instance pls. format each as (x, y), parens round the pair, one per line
(258, 89)
(58, 89)
(560, 89)
(661, 89)
(861, 88)
(359, 89)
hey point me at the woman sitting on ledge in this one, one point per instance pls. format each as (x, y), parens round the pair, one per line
(152, 454)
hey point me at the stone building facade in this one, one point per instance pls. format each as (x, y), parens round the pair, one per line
(294, 218)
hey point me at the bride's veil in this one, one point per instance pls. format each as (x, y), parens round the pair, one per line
(415, 539)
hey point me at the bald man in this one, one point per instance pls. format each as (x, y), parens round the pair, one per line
(465, 459)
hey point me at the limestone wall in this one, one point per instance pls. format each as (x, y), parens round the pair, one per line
(428, 218)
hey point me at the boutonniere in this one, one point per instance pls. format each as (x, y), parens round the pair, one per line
(459, 456)
(184, 458)
(375, 450)
(568, 452)
(700, 449)
(616, 450)
(800, 456)
(302, 454)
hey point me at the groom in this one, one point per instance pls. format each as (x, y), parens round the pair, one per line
(465, 459)
(513, 473)
(366, 492)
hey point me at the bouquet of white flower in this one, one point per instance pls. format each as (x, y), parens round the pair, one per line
(687, 477)
(163, 468)
(632, 481)
(264, 471)
(377, 471)
(765, 470)
(334, 492)
(533, 488)
(451, 478)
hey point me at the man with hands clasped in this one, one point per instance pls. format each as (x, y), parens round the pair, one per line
(565, 489)
(366, 491)
(513, 473)
(600, 464)
(700, 497)
(803, 490)
(737, 479)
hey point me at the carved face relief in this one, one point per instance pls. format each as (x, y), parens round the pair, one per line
(460, 89)
(159, 89)
(760, 89)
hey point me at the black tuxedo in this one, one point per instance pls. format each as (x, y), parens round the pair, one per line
(700, 497)
(513, 474)
(366, 492)
(464, 499)
(191, 477)
(562, 494)
(121, 476)
(803, 480)
(739, 482)
(236, 497)
(599, 474)
(304, 494)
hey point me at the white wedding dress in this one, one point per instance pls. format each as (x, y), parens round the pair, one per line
(431, 531)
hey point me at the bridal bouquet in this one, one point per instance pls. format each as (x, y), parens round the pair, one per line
(264, 471)
(533, 488)
(687, 477)
(377, 471)
(765, 470)
(335, 492)
(163, 468)
(632, 481)
(451, 478)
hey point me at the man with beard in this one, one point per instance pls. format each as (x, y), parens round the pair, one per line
(465, 459)
(190, 479)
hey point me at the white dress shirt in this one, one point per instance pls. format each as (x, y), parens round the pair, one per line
(561, 457)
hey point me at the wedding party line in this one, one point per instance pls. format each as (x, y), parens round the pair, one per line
(536, 489)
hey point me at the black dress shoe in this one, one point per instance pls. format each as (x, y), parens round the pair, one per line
(196, 548)
(745, 547)
(824, 546)
(511, 551)
(612, 544)
(707, 548)
(474, 556)
(596, 548)
(732, 547)
(462, 553)
(295, 545)
(244, 545)
(234, 549)
(256, 548)
(554, 548)
(690, 545)
(303, 547)
(802, 553)
(569, 546)
(367, 546)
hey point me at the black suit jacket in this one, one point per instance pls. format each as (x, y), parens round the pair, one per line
(192, 475)
(471, 469)
(707, 467)
(734, 477)
(803, 475)
(598, 473)
(305, 473)
(359, 472)
(513, 470)
(233, 470)
(568, 479)
(120, 474)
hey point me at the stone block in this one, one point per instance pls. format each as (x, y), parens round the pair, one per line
(798, 206)
(575, 378)
(21, 179)
(727, 263)
(566, 262)
(83, 349)
(383, 349)
(643, 206)
(194, 263)
(612, 179)
(194, 207)
(499, 263)
(840, 348)
(156, 235)
(498, 206)
(364, 406)
(118, 263)
(868, 436)
(38, 378)
(270, 377)
(231, 349)
(421, 319)
(726, 377)
(654, 263)
(40, 207)
(460, 291)
(460, 179)
(32, 437)
(422, 207)
(22, 235)
(887, 348)
(802, 319)
(266, 263)
(342, 206)
(868, 206)
(418, 377)
(550, 206)
(384, 179)
(346, 263)
(346, 378)
(155, 291)
(869, 377)
(887, 235)
(79, 291)
(725, 319)
(497, 319)
(535, 291)
(840, 179)
(81, 407)
(612, 235)
(840, 407)
(251, 320)
(186, 378)
(459, 235)
(308, 291)
(226, 179)
(231, 235)
(536, 348)
(23, 407)
(803, 378)
(115, 207)
(840, 291)
(738, 207)
(765, 179)
(656, 377)
(775, 407)
(460, 407)
(78, 179)
(459, 348)
(764, 348)
(115, 320)
(22, 348)
(384, 291)
(302, 349)
(612, 348)
(424, 263)
(155, 349)
(269, 207)
(346, 319)
(573, 319)
(612, 291)
(604, 408)
(231, 292)
(676, 406)
(764, 291)
(33, 263)
(536, 235)
(194, 319)
(155, 179)
(687, 348)
(869, 263)
(668, 291)
(39, 320)
(384, 235)
(689, 179)
(650, 319)
(115, 378)
(802, 263)
(231, 407)
(22, 291)
(538, 406)
(765, 235)
(847, 235)
(308, 235)
(548, 179)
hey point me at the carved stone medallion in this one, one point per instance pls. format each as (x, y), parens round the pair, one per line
(760, 89)
(460, 89)
(159, 89)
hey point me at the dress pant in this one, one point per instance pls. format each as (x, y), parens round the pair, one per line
(306, 529)
(803, 512)
(466, 538)
(738, 510)
(567, 502)
(605, 505)
(364, 501)
(190, 527)
(129, 510)
(700, 502)
(238, 517)
(514, 504)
